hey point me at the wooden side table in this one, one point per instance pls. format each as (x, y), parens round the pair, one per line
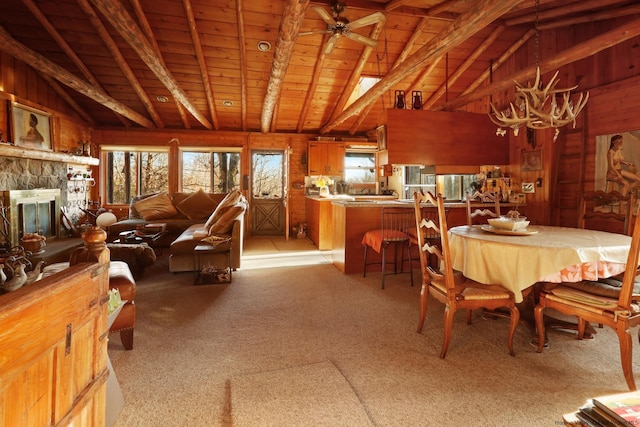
(221, 275)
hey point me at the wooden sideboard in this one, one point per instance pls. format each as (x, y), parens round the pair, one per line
(53, 336)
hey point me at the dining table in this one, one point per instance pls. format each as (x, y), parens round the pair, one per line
(517, 260)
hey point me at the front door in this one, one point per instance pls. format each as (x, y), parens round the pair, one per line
(268, 192)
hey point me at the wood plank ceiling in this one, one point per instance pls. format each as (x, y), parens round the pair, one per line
(116, 61)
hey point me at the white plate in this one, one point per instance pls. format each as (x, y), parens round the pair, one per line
(493, 230)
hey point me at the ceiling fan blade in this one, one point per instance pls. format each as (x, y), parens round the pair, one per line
(374, 18)
(326, 16)
(362, 39)
(328, 48)
(310, 33)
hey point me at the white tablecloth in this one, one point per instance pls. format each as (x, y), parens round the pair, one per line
(553, 254)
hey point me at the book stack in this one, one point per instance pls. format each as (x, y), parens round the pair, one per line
(611, 411)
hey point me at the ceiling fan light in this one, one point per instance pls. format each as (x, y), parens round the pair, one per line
(264, 46)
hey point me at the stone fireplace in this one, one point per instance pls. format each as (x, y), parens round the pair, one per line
(34, 186)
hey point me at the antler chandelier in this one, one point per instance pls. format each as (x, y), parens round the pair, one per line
(539, 106)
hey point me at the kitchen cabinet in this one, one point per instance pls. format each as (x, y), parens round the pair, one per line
(326, 158)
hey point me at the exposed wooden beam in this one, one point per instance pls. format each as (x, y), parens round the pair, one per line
(357, 71)
(202, 63)
(480, 15)
(406, 51)
(66, 48)
(39, 62)
(146, 29)
(311, 91)
(292, 18)
(575, 53)
(68, 99)
(592, 17)
(120, 19)
(243, 64)
(120, 61)
(501, 60)
(562, 11)
(424, 74)
(463, 67)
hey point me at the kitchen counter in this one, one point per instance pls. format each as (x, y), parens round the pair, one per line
(351, 219)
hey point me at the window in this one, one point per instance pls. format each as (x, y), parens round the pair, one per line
(360, 167)
(213, 171)
(415, 180)
(129, 173)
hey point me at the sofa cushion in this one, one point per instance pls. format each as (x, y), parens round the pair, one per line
(133, 212)
(197, 205)
(225, 222)
(156, 207)
(229, 200)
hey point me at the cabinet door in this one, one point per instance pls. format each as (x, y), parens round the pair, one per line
(316, 158)
(335, 159)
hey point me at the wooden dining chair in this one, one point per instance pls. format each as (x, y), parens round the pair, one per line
(604, 303)
(451, 288)
(480, 216)
(396, 225)
(606, 211)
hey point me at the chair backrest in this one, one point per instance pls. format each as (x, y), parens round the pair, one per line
(604, 208)
(396, 223)
(628, 280)
(479, 216)
(427, 226)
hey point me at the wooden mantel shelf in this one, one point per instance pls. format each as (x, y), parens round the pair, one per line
(9, 150)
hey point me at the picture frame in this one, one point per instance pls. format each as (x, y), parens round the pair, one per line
(381, 133)
(531, 161)
(30, 127)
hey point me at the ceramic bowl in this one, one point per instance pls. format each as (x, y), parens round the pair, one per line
(511, 224)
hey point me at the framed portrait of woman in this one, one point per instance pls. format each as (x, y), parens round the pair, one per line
(30, 127)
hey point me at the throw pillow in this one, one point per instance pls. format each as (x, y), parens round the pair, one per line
(197, 206)
(229, 200)
(224, 224)
(133, 212)
(156, 207)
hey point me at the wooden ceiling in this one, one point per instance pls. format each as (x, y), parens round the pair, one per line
(115, 61)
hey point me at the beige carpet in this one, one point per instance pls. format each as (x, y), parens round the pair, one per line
(305, 345)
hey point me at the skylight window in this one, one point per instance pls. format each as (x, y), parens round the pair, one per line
(364, 84)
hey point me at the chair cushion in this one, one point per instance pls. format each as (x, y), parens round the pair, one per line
(608, 288)
(584, 297)
(197, 206)
(375, 238)
(156, 207)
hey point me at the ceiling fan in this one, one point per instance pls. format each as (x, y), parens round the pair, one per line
(339, 26)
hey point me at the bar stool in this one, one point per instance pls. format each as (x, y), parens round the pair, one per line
(396, 224)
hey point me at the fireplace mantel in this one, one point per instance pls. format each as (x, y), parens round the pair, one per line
(9, 150)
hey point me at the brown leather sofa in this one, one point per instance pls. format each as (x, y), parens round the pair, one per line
(176, 220)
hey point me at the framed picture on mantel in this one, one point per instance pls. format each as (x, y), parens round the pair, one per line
(30, 127)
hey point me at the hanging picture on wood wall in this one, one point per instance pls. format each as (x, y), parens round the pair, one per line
(531, 161)
(30, 127)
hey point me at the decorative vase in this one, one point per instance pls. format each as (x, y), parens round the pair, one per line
(324, 191)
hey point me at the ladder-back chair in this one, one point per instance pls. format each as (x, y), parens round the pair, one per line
(451, 288)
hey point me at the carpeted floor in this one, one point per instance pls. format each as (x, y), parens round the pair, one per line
(293, 342)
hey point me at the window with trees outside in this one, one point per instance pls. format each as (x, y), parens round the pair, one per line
(211, 171)
(360, 167)
(130, 173)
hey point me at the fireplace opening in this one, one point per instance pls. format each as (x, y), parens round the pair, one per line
(32, 211)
